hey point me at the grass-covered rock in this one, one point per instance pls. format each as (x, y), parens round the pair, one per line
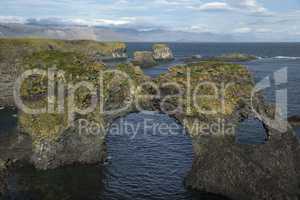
(144, 59)
(230, 57)
(55, 141)
(210, 78)
(16, 48)
(13, 51)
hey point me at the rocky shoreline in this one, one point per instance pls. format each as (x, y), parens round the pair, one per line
(220, 166)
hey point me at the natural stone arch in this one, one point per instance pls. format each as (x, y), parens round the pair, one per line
(220, 165)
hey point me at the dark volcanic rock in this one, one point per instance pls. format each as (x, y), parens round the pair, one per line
(294, 120)
(253, 172)
(15, 149)
(3, 177)
(70, 148)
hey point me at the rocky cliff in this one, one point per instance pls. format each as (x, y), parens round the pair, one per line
(221, 166)
(55, 141)
(12, 51)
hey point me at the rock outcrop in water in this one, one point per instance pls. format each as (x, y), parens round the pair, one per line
(160, 53)
(56, 142)
(221, 166)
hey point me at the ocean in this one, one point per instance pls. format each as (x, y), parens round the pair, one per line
(144, 165)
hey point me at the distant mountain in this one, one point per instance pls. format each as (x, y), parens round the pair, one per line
(107, 33)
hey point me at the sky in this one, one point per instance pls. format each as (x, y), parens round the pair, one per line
(264, 19)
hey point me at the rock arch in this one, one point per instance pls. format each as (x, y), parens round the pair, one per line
(221, 166)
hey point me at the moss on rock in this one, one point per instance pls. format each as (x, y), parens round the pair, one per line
(144, 59)
(231, 82)
(16, 48)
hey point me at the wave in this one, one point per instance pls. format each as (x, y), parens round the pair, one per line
(286, 57)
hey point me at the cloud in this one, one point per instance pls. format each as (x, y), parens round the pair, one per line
(243, 30)
(263, 30)
(213, 6)
(175, 2)
(244, 6)
(68, 21)
(12, 19)
(195, 29)
(250, 6)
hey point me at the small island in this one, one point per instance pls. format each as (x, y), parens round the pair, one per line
(231, 57)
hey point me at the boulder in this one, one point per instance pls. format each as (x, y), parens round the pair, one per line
(161, 52)
(144, 59)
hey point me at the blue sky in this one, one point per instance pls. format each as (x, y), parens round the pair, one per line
(278, 19)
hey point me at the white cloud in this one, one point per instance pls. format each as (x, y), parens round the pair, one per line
(243, 30)
(263, 30)
(213, 6)
(99, 22)
(175, 2)
(12, 19)
(69, 21)
(251, 6)
(247, 6)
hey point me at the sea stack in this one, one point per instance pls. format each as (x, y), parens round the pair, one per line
(161, 52)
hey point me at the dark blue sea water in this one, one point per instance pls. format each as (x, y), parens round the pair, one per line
(146, 165)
